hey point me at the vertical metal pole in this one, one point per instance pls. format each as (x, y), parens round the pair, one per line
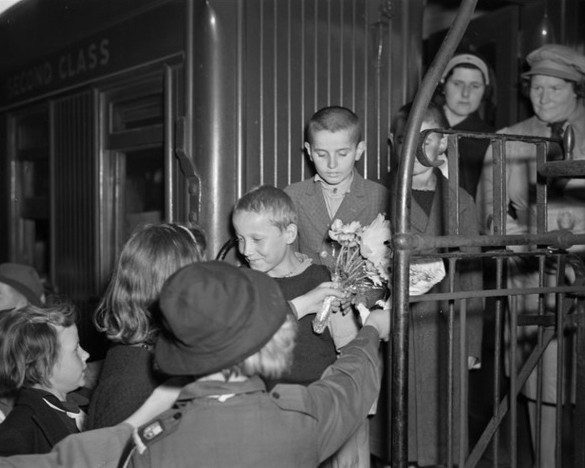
(400, 338)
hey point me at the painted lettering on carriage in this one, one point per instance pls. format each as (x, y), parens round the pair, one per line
(73, 64)
(80, 61)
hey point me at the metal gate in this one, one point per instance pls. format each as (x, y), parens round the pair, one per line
(538, 320)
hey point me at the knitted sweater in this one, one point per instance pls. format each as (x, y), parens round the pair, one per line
(126, 381)
(313, 353)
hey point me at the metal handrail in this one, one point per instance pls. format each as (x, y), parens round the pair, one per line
(401, 261)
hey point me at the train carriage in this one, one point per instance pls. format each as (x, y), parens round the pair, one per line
(117, 113)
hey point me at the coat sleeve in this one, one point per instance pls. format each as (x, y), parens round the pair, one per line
(342, 398)
(101, 448)
(471, 279)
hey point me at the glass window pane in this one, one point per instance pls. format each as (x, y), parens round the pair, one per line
(143, 188)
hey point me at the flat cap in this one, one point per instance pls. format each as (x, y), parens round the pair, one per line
(556, 60)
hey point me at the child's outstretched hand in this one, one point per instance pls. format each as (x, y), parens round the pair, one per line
(311, 302)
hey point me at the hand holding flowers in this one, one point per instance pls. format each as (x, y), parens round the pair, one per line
(362, 263)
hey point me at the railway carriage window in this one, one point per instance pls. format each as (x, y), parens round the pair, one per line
(135, 155)
(144, 188)
(139, 112)
(32, 188)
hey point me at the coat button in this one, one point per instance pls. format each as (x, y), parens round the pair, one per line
(275, 395)
(323, 254)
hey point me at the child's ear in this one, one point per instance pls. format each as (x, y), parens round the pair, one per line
(361, 147)
(308, 150)
(290, 233)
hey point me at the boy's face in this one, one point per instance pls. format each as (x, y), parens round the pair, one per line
(265, 246)
(69, 370)
(334, 154)
(10, 298)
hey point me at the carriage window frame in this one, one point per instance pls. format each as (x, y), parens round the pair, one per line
(31, 182)
(132, 116)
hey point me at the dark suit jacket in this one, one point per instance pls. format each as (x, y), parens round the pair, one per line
(32, 426)
(363, 202)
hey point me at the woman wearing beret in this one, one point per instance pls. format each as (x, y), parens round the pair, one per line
(464, 87)
(556, 86)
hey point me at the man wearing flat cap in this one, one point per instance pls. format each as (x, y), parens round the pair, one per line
(556, 86)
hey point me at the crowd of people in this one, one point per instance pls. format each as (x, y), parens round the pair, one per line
(217, 365)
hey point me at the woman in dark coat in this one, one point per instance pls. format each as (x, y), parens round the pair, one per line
(466, 86)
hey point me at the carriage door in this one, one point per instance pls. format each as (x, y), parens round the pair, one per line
(30, 184)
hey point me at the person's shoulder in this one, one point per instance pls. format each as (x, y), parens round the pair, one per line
(530, 126)
(291, 397)
(370, 185)
(298, 187)
(16, 430)
(319, 272)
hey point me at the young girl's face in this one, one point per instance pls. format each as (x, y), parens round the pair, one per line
(266, 247)
(69, 371)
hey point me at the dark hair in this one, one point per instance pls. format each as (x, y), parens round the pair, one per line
(272, 200)
(128, 311)
(29, 344)
(334, 119)
(488, 101)
(432, 114)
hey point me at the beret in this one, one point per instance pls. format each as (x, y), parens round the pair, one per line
(24, 279)
(556, 60)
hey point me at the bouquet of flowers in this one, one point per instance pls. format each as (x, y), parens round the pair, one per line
(362, 263)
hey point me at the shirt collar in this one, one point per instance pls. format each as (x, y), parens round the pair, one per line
(208, 388)
(343, 187)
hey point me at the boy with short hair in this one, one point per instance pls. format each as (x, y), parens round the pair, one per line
(334, 144)
(265, 221)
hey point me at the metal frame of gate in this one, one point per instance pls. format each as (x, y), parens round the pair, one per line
(561, 321)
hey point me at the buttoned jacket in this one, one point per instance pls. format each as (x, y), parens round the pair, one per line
(362, 203)
(240, 424)
(32, 426)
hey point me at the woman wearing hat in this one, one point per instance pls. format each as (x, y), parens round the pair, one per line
(555, 84)
(464, 87)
